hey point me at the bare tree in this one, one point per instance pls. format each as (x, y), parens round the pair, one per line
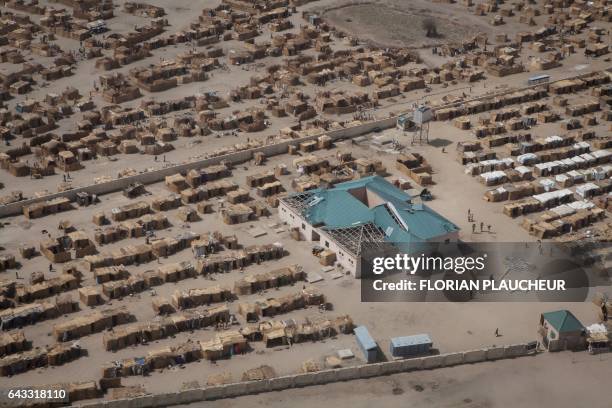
(430, 27)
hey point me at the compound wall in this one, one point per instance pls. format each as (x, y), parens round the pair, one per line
(318, 378)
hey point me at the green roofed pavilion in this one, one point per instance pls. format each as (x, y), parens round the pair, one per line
(563, 321)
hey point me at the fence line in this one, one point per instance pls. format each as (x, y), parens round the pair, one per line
(317, 378)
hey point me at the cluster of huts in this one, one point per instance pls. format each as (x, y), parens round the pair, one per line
(44, 288)
(276, 332)
(16, 316)
(94, 322)
(256, 283)
(224, 345)
(11, 343)
(55, 355)
(239, 258)
(131, 228)
(162, 327)
(253, 311)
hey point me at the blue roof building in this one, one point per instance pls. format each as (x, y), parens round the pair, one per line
(410, 346)
(366, 343)
(365, 210)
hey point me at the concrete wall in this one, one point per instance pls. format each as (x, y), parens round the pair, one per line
(234, 158)
(318, 378)
(295, 220)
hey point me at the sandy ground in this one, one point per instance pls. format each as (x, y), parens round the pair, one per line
(564, 380)
(389, 24)
(400, 23)
(453, 327)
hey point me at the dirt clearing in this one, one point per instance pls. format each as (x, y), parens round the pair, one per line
(388, 24)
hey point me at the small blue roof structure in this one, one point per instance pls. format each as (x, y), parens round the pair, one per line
(414, 340)
(364, 338)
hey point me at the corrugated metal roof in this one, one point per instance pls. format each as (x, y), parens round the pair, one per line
(416, 339)
(363, 336)
(563, 321)
(338, 208)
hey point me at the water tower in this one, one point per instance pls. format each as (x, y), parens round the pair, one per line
(421, 116)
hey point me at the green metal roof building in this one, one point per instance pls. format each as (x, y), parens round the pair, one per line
(365, 210)
(563, 321)
(561, 330)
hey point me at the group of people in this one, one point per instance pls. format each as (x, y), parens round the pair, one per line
(470, 218)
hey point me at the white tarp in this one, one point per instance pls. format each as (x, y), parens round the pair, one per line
(581, 205)
(552, 195)
(583, 190)
(527, 158)
(601, 153)
(597, 328)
